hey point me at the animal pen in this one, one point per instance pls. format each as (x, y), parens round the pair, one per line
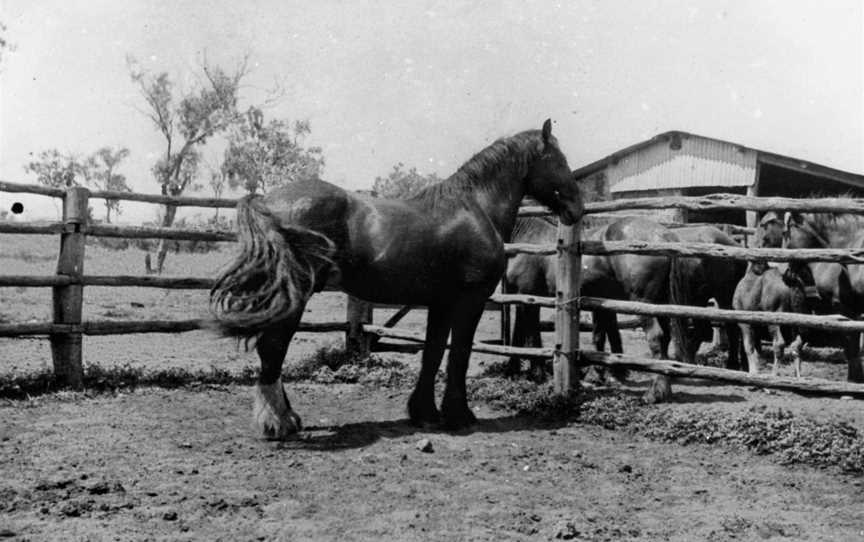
(67, 328)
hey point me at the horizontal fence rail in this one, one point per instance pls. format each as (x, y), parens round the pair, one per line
(697, 250)
(730, 202)
(677, 369)
(405, 335)
(122, 196)
(110, 327)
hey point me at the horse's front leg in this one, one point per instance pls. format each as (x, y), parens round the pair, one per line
(778, 345)
(751, 347)
(796, 346)
(272, 411)
(454, 406)
(421, 404)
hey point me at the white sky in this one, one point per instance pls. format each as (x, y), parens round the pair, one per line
(429, 84)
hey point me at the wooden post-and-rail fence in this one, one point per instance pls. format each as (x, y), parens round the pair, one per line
(67, 328)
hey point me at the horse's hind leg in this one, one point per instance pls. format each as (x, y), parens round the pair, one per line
(852, 351)
(660, 389)
(272, 411)
(421, 404)
(534, 339)
(608, 321)
(733, 345)
(454, 406)
(514, 363)
(778, 345)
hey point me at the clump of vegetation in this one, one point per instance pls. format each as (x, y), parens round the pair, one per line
(16, 385)
(524, 397)
(792, 439)
(335, 364)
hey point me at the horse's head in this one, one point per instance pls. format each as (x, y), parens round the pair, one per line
(801, 233)
(550, 180)
(770, 231)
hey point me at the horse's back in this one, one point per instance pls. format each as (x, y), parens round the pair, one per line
(641, 276)
(405, 250)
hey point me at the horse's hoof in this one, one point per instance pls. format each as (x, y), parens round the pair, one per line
(660, 391)
(613, 382)
(423, 413)
(457, 416)
(283, 429)
(272, 414)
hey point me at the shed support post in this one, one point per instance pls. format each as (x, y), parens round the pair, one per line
(565, 361)
(359, 312)
(66, 348)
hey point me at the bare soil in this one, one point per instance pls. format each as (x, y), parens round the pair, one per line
(185, 464)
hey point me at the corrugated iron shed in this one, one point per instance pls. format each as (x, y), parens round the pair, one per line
(680, 160)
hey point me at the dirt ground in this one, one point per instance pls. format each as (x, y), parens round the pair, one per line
(154, 464)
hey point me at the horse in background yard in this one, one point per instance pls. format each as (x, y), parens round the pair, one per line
(621, 276)
(765, 288)
(840, 288)
(443, 248)
(536, 275)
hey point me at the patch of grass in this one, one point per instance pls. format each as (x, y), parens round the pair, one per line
(334, 364)
(524, 397)
(99, 379)
(792, 439)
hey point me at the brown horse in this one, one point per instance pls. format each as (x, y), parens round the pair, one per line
(623, 276)
(705, 279)
(778, 289)
(536, 275)
(442, 249)
(839, 288)
(765, 288)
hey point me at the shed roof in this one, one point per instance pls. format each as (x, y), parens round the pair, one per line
(707, 147)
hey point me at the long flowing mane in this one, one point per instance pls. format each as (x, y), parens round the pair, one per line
(479, 171)
(538, 228)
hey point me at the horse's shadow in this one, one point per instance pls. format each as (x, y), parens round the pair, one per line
(362, 434)
(365, 433)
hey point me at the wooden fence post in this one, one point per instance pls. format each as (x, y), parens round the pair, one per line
(359, 312)
(66, 348)
(565, 358)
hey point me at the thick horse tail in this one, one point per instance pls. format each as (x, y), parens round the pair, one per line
(681, 293)
(273, 276)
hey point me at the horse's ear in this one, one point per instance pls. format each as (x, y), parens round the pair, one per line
(769, 217)
(790, 217)
(547, 131)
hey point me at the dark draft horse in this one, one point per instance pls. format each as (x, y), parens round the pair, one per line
(704, 279)
(623, 276)
(442, 249)
(839, 288)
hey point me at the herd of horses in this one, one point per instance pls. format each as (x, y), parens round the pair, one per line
(444, 249)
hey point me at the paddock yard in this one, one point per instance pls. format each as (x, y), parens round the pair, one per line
(161, 446)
